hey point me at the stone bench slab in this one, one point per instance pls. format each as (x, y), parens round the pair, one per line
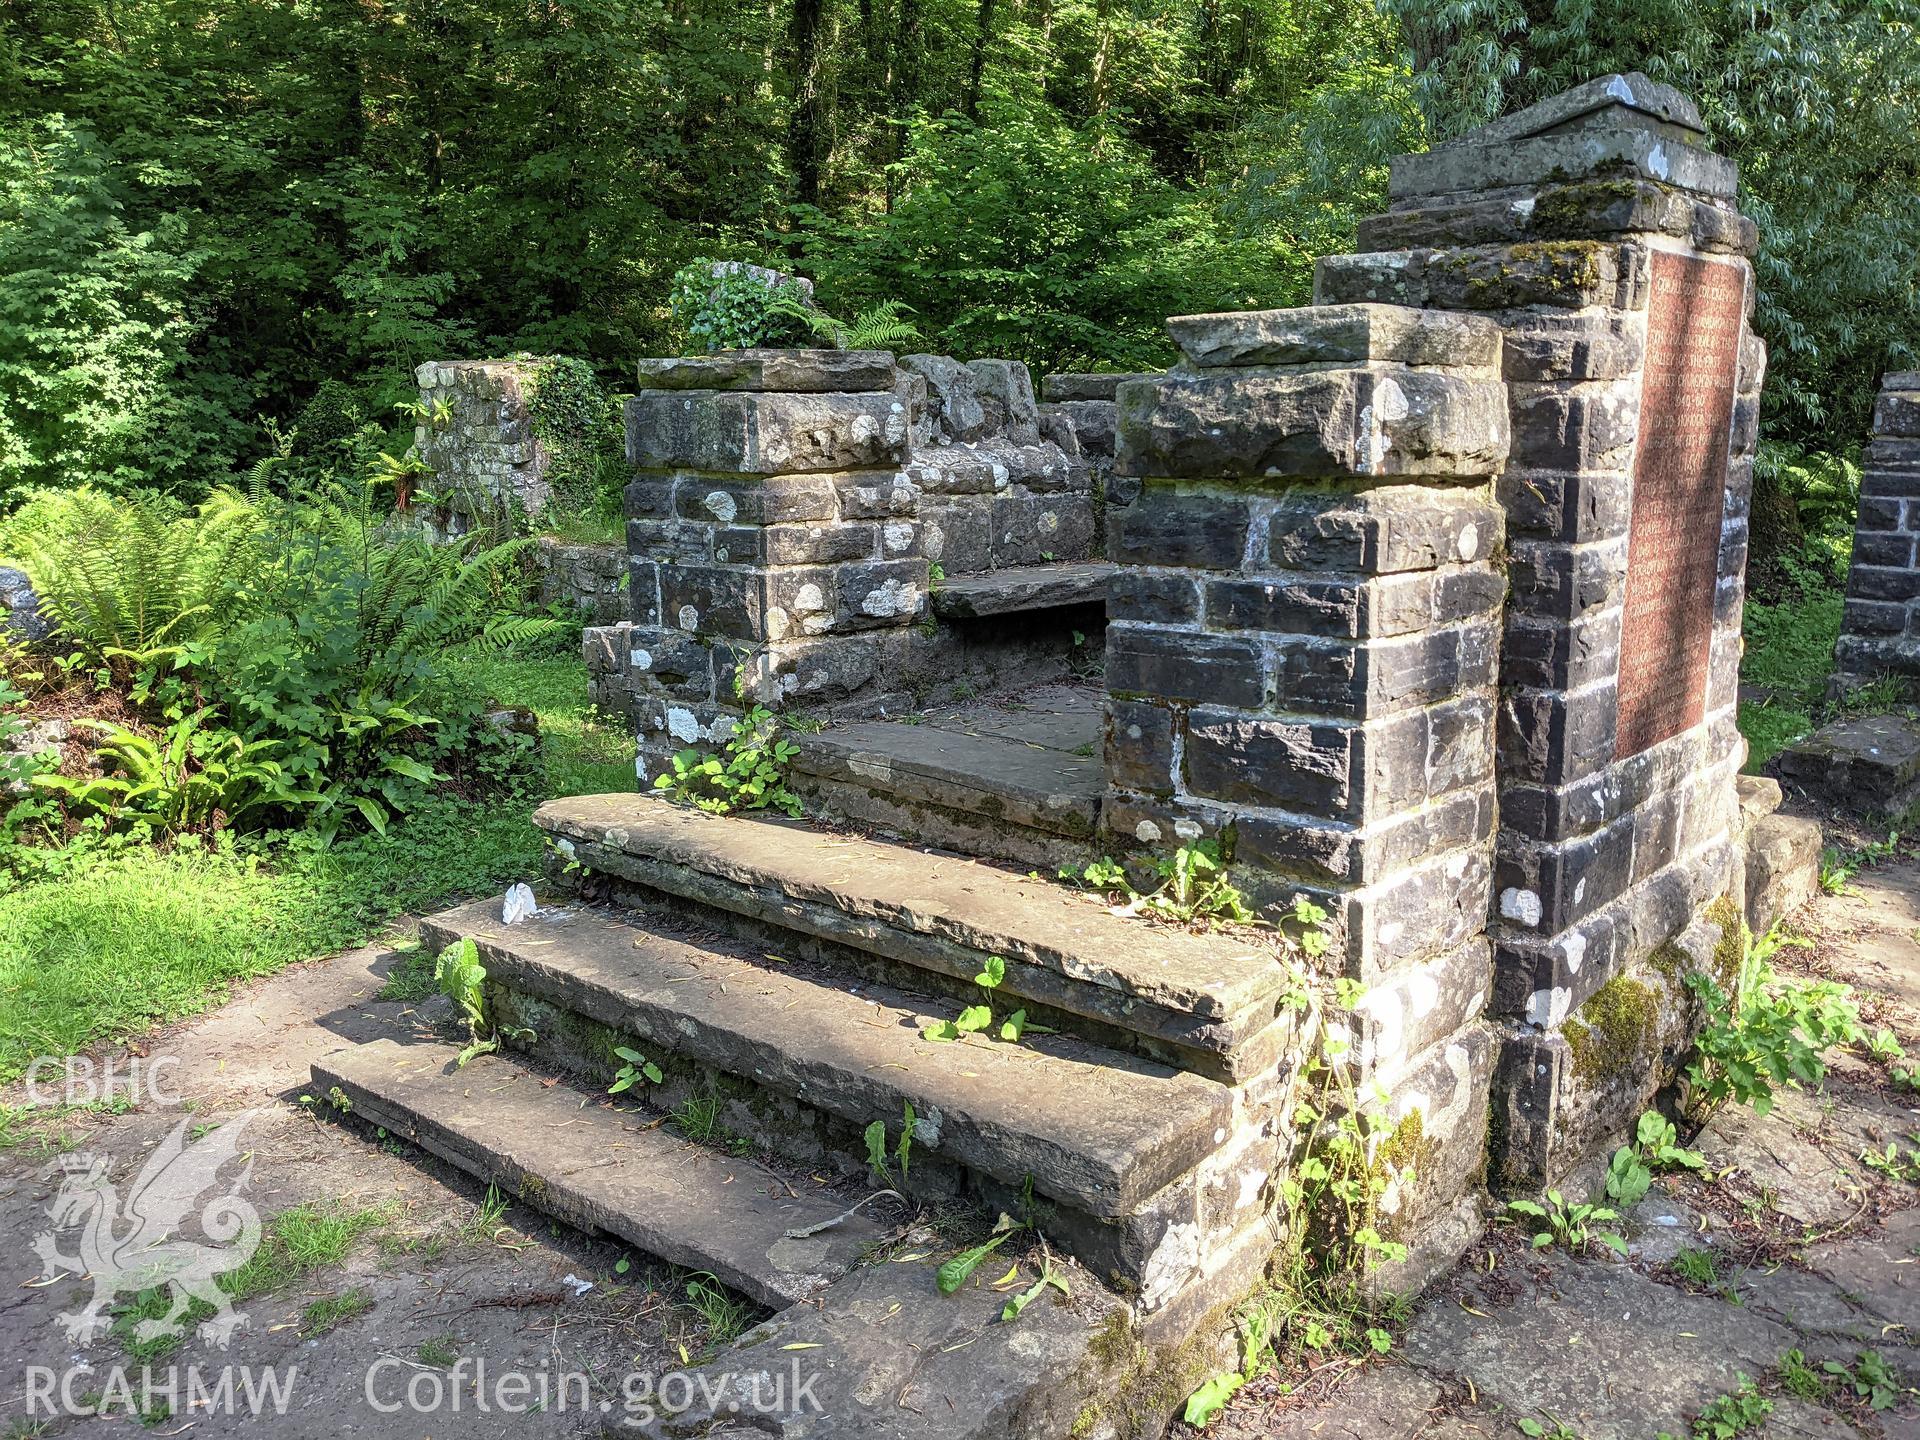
(1024, 587)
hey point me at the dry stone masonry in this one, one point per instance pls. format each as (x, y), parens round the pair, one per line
(1424, 606)
(1602, 235)
(1880, 630)
(486, 460)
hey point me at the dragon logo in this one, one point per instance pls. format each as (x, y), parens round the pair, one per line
(140, 1249)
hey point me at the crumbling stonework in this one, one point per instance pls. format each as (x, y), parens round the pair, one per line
(773, 536)
(1603, 237)
(486, 461)
(1880, 631)
(1002, 479)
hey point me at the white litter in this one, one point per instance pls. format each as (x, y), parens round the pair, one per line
(518, 905)
(578, 1286)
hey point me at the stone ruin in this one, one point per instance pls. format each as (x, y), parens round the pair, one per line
(1880, 628)
(1422, 604)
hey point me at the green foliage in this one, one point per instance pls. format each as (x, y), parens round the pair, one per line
(98, 323)
(191, 777)
(129, 580)
(749, 772)
(737, 308)
(1655, 1147)
(635, 1069)
(1870, 1378)
(578, 425)
(1897, 1161)
(957, 1271)
(876, 1138)
(978, 1019)
(1734, 1413)
(1697, 1267)
(1769, 1031)
(1193, 889)
(1560, 1221)
(462, 978)
(1056, 245)
(1819, 105)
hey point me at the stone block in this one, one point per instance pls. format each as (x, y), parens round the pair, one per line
(958, 533)
(795, 371)
(1095, 425)
(1076, 386)
(878, 593)
(714, 600)
(1549, 738)
(1549, 345)
(1337, 334)
(1381, 421)
(750, 433)
(1382, 531)
(1153, 597)
(674, 664)
(1180, 665)
(1566, 505)
(952, 393)
(814, 544)
(1205, 530)
(1305, 767)
(1030, 529)
(1005, 389)
(1562, 274)
(1406, 1012)
(779, 499)
(1572, 427)
(876, 495)
(1897, 413)
(1652, 153)
(1140, 747)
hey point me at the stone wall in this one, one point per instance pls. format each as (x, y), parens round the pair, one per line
(1002, 480)
(590, 580)
(1090, 404)
(1602, 235)
(774, 540)
(1301, 662)
(1880, 632)
(485, 459)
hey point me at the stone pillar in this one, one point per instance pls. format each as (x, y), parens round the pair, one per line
(486, 461)
(1300, 656)
(1602, 235)
(1880, 632)
(771, 536)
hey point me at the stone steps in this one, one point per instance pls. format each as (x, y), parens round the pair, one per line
(1095, 1130)
(1214, 1004)
(1020, 588)
(603, 1170)
(1019, 785)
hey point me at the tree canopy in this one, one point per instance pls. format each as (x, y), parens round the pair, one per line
(209, 208)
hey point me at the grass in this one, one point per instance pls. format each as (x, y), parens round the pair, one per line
(150, 936)
(1789, 652)
(333, 1310)
(296, 1243)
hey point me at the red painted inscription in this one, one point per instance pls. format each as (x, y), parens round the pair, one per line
(1679, 495)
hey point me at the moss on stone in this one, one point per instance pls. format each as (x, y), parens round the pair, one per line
(1732, 945)
(1615, 1030)
(1084, 1422)
(1573, 206)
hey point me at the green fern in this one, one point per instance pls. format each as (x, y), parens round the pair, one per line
(128, 579)
(879, 327)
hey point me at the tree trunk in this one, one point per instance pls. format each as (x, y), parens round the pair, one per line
(807, 125)
(982, 38)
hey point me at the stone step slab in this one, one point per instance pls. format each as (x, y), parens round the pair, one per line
(600, 1170)
(1002, 781)
(884, 1356)
(1094, 1129)
(1020, 588)
(1208, 993)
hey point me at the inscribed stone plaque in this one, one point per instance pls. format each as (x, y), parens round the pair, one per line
(1679, 494)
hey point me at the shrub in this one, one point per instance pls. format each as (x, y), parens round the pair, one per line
(733, 305)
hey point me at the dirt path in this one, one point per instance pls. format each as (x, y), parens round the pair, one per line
(1798, 1247)
(430, 1288)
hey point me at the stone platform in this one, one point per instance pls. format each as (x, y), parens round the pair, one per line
(1014, 776)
